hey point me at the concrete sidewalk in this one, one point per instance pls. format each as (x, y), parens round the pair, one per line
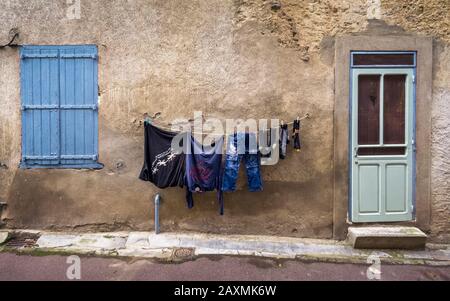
(185, 246)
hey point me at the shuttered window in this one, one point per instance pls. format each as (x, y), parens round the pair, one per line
(59, 106)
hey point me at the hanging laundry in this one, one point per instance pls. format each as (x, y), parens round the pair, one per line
(203, 170)
(284, 140)
(269, 145)
(242, 146)
(296, 135)
(266, 150)
(162, 166)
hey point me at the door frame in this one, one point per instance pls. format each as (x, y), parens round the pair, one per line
(373, 40)
(372, 70)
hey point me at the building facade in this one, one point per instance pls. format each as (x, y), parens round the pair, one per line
(374, 76)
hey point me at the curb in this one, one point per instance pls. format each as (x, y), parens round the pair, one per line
(175, 247)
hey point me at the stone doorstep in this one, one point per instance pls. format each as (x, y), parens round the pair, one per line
(395, 237)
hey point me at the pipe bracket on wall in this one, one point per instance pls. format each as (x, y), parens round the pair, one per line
(14, 32)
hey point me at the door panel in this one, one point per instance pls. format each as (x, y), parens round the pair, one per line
(369, 198)
(382, 145)
(396, 188)
(370, 151)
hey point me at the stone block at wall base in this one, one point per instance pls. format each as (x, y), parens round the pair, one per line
(408, 238)
(3, 237)
(2, 208)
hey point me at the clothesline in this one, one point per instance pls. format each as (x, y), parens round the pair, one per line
(307, 116)
(164, 127)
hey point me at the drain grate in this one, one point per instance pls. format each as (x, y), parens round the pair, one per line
(183, 253)
(22, 240)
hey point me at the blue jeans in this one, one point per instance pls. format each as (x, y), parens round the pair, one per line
(247, 152)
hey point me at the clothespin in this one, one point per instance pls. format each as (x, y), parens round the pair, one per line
(147, 118)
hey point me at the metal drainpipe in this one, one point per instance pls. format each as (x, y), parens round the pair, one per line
(157, 203)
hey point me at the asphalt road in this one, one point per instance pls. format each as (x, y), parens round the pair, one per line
(25, 267)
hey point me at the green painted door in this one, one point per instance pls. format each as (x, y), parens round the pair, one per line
(382, 145)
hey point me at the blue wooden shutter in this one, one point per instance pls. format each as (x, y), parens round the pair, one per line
(59, 104)
(78, 80)
(40, 101)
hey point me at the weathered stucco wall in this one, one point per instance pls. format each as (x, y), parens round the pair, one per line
(9, 119)
(432, 18)
(440, 164)
(230, 59)
(177, 57)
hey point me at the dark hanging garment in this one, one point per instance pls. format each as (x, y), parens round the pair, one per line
(162, 166)
(284, 140)
(203, 170)
(297, 143)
